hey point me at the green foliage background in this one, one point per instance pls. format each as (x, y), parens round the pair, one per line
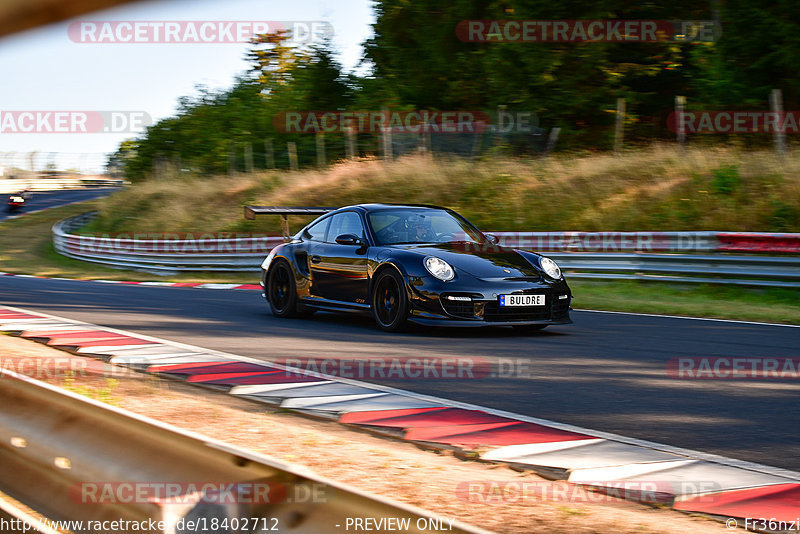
(416, 61)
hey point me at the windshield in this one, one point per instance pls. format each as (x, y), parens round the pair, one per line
(421, 225)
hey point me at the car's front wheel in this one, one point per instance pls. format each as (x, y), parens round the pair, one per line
(390, 301)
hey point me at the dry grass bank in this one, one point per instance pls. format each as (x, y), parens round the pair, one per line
(658, 188)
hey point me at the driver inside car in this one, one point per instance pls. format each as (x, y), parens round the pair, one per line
(419, 228)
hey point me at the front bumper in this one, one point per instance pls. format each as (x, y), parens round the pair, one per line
(475, 302)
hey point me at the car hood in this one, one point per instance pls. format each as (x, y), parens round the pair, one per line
(482, 261)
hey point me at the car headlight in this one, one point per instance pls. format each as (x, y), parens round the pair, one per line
(550, 268)
(439, 268)
(268, 259)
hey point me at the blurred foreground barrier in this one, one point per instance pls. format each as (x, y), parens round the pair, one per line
(694, 257)
(74, 459)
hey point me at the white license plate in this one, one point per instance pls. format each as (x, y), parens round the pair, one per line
(521, 300)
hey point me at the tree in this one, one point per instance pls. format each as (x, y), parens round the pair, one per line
(571, 85)
(212, 126)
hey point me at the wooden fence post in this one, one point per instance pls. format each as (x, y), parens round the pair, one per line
(680, 106)
(619, 129)
(551, 141)
(387, 135)
(269, 154)
(776, 105)
(350, 142)
(248, 156)
(425, 136)
(291, 148)
(321, 161)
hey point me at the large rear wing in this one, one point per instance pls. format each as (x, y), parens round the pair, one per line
(250, 213)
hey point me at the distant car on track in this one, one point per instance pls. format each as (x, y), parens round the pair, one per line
(15, 203)
(409, 263)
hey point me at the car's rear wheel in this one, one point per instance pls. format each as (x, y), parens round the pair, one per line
(282, 291)
(390, 301)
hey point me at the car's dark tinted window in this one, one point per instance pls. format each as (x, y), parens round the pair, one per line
(347, 222)
(316, 232)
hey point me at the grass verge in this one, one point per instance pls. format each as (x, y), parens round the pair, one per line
(770, 305)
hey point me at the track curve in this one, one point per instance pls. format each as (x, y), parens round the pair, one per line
(52, 199)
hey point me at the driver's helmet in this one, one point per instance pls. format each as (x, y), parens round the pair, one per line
(418, 224)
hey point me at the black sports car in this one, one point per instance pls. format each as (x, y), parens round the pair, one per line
(410, 263)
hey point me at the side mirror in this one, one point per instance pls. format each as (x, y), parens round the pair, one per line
(493, 239)
(349, 239)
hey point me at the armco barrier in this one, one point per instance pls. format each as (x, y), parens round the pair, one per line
(162, 256)
(57, 468)
(692, 257)
(689, 268)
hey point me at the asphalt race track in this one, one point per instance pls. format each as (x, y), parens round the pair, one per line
(605, 372)
(51, 199)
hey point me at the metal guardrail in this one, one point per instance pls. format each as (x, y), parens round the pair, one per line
(688, 268)
(72, 458)
(228, 255)
(665, 256)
